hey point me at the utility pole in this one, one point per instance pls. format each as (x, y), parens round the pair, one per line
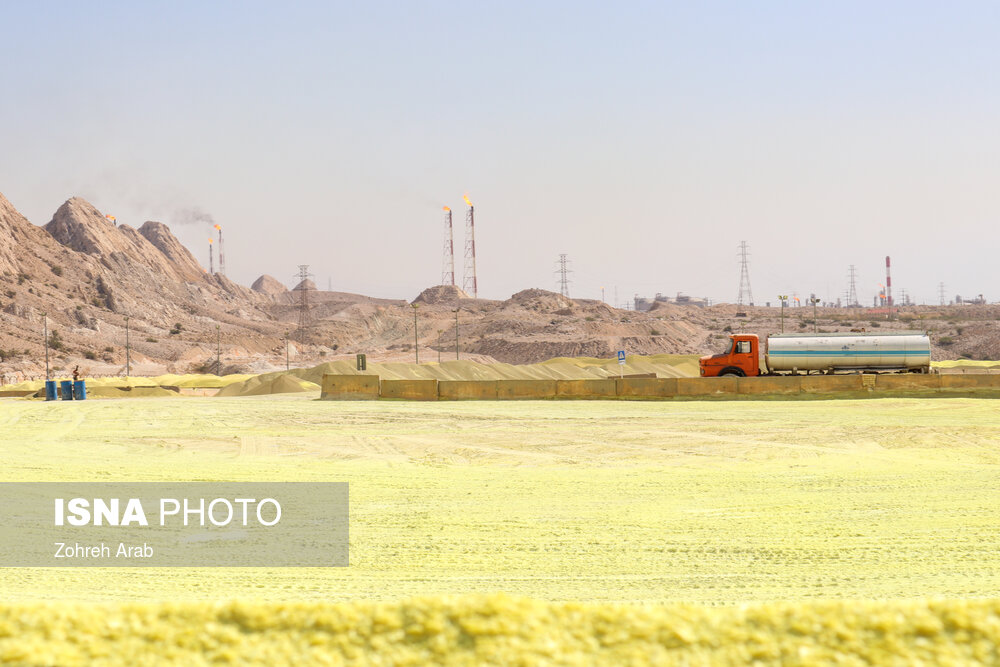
(941, 292)
(286, 350)
(416, 347)
(128, 350)
(782, 298)
(45, 335)
(814, 300)
(218, 350)
(602, 295)
(456, 333)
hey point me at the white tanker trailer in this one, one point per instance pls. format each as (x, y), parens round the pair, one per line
(902, 352)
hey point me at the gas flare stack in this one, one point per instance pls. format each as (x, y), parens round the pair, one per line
(469, 283)
(211, 260)
(448, 261)
(222, 259)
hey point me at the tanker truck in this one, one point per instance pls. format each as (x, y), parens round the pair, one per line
(793, 354)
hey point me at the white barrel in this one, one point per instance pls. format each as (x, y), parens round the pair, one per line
(848, 351)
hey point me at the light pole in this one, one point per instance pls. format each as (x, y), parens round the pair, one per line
(782, 298)
(286, 350)
(128, 351)
(45, 335)
(456, 333)
(218, 350)
(814, 300)
(416, 348)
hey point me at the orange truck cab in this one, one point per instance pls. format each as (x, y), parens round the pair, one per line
(741, 359)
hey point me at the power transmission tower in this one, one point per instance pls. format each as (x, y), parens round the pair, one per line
(448, 260)
(745, 295)
(852, 292)
(941, 292)
(563, 272)
(303, 288)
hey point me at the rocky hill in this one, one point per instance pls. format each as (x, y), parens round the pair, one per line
(87, 276)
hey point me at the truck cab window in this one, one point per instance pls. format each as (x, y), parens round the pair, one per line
(743, 347)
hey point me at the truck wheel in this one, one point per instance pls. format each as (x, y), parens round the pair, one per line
(732, 372)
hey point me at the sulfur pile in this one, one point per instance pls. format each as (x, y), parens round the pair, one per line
(561, 368)
(499, 629)
(270, 383)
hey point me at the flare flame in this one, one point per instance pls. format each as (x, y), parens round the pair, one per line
(466, 198)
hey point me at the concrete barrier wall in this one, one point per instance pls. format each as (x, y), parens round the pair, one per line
(19, 393)
(774, 386)
(414, 390)
(350, 387)
(830, 384)
(368, 387)
(526, 389)
(969, 381)
(586, 388)
(908, 382)
(647, 387)
(706, 386)
(466, 390)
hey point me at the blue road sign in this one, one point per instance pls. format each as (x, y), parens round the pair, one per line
(621, 357)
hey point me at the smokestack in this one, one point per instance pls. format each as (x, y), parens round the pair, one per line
(888, 282)
(211, 262)
(448, 262)
(469, 283)
(222, 258)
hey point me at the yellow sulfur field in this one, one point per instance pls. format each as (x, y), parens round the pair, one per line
(553, 503)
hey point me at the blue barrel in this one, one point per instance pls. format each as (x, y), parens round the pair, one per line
(66, 389)
(50, 390)
(79, 390)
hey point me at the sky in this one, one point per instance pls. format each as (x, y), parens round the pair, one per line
(645, 140)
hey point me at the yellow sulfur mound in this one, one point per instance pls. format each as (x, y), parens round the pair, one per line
(499, 629)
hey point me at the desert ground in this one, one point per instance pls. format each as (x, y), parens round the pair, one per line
(797, 509)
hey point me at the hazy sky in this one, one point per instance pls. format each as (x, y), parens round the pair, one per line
(645, 140)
